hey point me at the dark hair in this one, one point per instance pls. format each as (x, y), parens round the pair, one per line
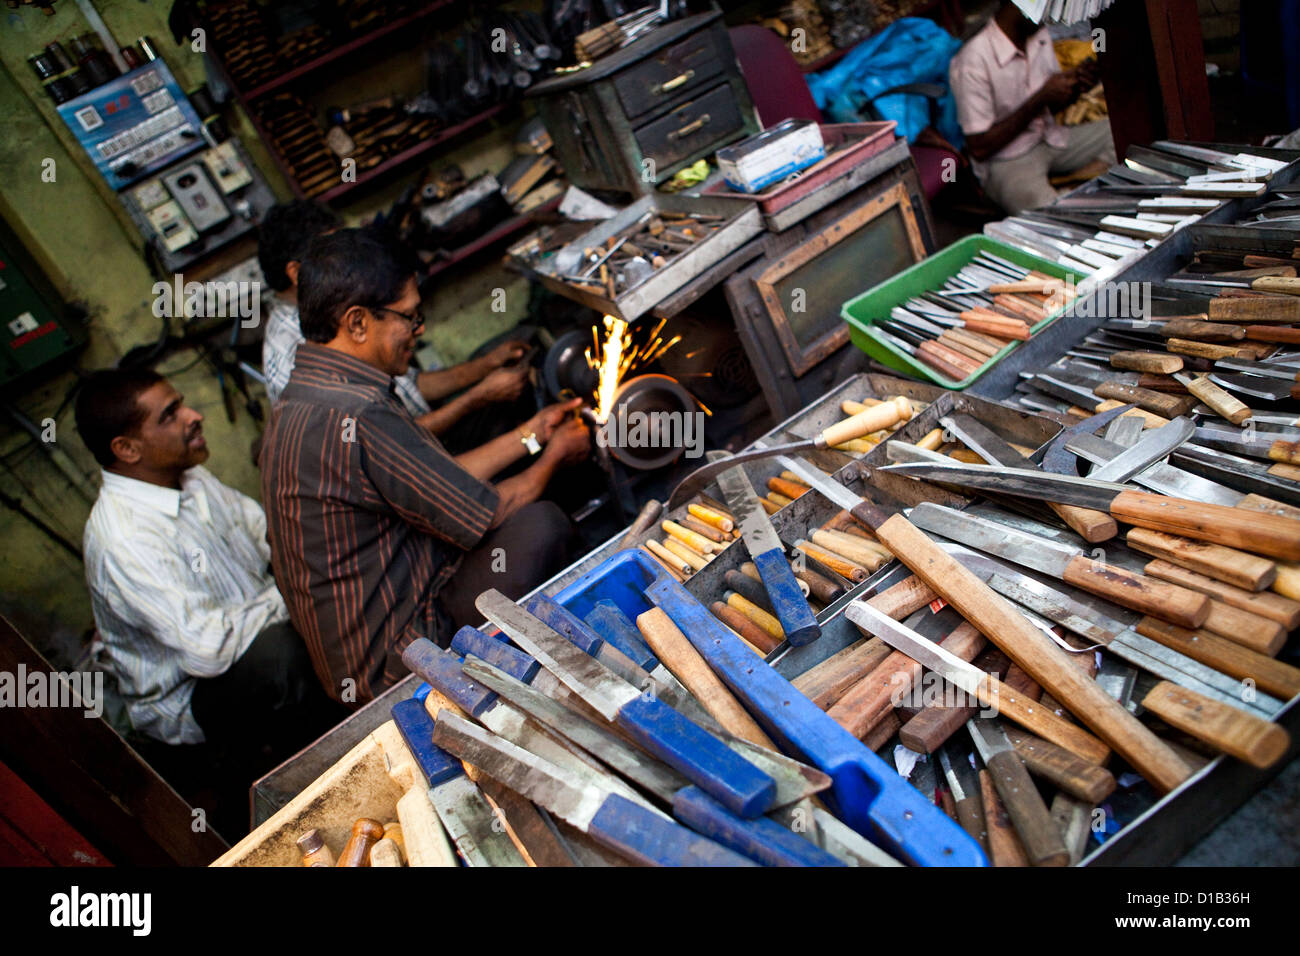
(107, 407)
(350, 267)
(285, 233)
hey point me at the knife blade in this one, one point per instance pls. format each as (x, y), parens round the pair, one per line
(791, 607)
(1038, 832)
(612, 820)
(465, 813)
(1255, 442)
(1256, 386)
(1064, 562)
(1160, 477)
(1270, 535)
(696, 754)
(1156, 444)
(964, 787)
(1258, 368)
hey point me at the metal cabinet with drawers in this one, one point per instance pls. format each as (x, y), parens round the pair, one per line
(636, 117)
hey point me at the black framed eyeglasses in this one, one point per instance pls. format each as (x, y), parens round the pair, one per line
(414, 319)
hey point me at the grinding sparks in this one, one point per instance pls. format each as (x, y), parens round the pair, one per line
(615, 357)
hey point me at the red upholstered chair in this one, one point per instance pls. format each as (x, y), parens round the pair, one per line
(779, 91)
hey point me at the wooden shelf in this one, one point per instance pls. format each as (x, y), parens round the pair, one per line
(503, 229)
(361, 42)
(406, 155)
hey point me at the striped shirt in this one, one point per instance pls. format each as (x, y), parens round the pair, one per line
(179, 587)
(368, 518)
(280, 344)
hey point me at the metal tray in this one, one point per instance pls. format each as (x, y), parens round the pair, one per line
(744, 223)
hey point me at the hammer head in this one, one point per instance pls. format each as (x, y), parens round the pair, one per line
(1059, 460)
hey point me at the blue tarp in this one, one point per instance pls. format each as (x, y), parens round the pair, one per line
(909, 50)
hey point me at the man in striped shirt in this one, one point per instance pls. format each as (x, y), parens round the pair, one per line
(368, 515)
(192, 624)
(285, 233)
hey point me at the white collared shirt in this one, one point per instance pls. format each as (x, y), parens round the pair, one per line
(180, 585)
(280, 345)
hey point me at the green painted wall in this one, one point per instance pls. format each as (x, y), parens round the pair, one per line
(82, 238)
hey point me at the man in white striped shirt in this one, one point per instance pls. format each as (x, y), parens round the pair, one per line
(192, 623)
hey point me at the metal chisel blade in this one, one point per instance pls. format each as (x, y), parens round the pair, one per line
(1064, 489)
(751, 519)
(580, 672)
(1051, 557)
(1154, 445)
(947, 665)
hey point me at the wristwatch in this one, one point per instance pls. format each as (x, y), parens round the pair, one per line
(529, 441)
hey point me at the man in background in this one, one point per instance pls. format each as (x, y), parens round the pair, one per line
(1007, 83)
(285, 233)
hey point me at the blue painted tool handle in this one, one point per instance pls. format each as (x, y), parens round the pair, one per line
(416, 727)
(646, 838)
(608, 620)
(698, 756)
(762, 839)
(498, 653)
(442, 669)
(867, 794)
(565, 622)
(791, 607)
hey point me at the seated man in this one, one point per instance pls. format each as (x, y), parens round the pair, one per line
(193, 626)
(378, 535)
(1006, 81)
(285, 233)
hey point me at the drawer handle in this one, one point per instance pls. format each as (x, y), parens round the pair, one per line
(690, 128)
(669, 85)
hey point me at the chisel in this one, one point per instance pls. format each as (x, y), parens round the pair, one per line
(464, 811)
(1282, 445)
(1251, 739)
(964, 787)
(1270, 535)
(787, 600)
(693, 752)
(1147, 596)
(612, 820)
(1038, 833)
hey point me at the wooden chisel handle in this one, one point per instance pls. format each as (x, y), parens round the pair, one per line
(365, 833)
(1157, 362)
(1038, 833)
(844, 568)
(1223, 403)
(1182, 328)
(1287, 452)
(1024, 710)
(1269, 604)
(1238, 568)
(1092, 526)
(1255, 309)
(1159, 403)
(1247, 629)
(749, 632)
(1271, 676)
(1004, 845)
(679, 656)
(827, 682)
(864, 423)
(1287, 285)
(1158, 598)
(1258, 742)
(970, 816)
(1271, 535)
(1081, 779)
(1034, 651)
(1270, 333)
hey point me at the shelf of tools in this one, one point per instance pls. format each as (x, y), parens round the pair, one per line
(1184, 622)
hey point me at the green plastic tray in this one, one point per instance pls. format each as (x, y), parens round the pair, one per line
(862, 311)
